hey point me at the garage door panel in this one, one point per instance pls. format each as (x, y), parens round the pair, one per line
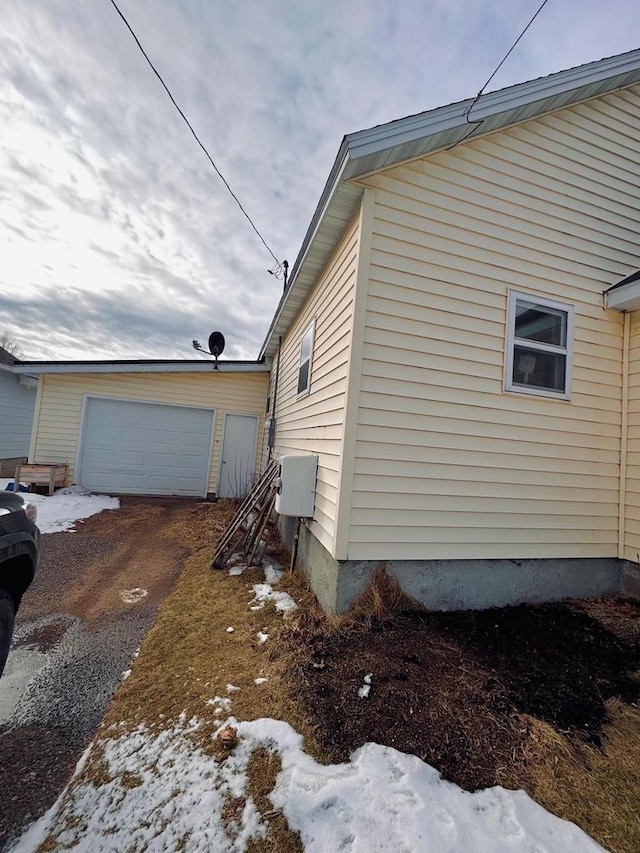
(144, 448)
(162, 460)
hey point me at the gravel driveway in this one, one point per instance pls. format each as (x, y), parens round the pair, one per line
(94, 598)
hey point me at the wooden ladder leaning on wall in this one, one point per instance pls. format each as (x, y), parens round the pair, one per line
(244, 533)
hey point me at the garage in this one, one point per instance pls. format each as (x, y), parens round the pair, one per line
(133, 447)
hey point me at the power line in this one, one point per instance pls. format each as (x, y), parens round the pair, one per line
(278, 267)
(467, 113)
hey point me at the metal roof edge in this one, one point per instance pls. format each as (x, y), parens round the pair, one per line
(133, 366)
(430, 122)
(635, 276)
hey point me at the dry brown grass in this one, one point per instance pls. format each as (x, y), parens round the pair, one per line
(596, 788)
(262, 772)
(188, 657)
(383, 599)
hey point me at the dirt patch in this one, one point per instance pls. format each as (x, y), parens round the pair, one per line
(540, 697)
(45, 637)
(456, 688)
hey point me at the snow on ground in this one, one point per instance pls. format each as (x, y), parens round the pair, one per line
(264, 592)
(61, 510)
(172, 796)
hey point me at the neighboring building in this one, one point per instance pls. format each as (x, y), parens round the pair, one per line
(152, 427)
(445, 348)
(17, 401)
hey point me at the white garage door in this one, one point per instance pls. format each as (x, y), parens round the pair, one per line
(144, 448)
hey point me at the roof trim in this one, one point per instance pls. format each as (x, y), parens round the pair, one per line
(625, 295)
(387, 145)
(635, 276)
(140, 366)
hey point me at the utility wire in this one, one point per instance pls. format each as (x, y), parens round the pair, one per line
(467, 112)
(278, 268)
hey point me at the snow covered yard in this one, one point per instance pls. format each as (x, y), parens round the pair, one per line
(65, 507)
(163, 792)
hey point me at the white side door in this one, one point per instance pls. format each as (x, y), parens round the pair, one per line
(238, 460)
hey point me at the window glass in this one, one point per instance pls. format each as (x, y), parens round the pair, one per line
(539, 369)
(305, 349)
(303, 377)
(304, 370)
(539, 323)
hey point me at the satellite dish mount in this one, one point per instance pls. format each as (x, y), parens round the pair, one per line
(216, 346)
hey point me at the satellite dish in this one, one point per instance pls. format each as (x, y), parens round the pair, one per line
(216, 346)
(216, 343)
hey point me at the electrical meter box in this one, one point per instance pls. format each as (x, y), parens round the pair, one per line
(296, 485)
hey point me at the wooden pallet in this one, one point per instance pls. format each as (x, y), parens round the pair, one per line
(244, 533)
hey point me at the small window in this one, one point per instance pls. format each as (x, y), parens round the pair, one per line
(539, 343)
(304, 371)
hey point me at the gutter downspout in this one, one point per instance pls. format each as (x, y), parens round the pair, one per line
(275, 398)
(623, 437)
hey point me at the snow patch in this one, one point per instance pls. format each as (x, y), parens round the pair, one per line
(364, 691)
(236, 570)
(264, 592)
(380, 800)
(60, 511)
(133, 596)
(273, 573)
(222, 704)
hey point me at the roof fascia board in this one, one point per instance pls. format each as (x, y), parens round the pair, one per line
(137, 367)
(628, 280)
(624, 298)
(575, 81)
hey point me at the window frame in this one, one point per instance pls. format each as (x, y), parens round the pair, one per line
(512, 341)
(310, 330)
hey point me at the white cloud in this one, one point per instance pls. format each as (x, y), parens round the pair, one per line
(117, 237)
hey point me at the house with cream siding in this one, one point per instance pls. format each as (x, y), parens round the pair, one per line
(152, 427)
(459, 345)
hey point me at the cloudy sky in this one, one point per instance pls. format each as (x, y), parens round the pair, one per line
(117, 238)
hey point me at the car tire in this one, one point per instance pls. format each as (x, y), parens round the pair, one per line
(7, 617)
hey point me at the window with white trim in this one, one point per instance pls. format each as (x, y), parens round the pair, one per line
(539, 346)
(304, 371)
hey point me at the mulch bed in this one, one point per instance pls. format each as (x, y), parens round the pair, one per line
(457, 689)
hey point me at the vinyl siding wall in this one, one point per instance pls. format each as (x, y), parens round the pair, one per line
(632, 484)
(448, 464)
(57, 428)
(16, 415)
(314, 423)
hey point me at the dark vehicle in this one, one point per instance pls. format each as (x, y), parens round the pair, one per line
(19, 551)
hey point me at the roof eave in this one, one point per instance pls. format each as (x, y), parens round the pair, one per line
(50, 367)
(625, 295)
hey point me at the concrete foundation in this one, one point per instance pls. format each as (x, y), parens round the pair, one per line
(630, 580)
(462, 584)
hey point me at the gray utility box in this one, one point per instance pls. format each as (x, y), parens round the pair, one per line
(296, 486)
